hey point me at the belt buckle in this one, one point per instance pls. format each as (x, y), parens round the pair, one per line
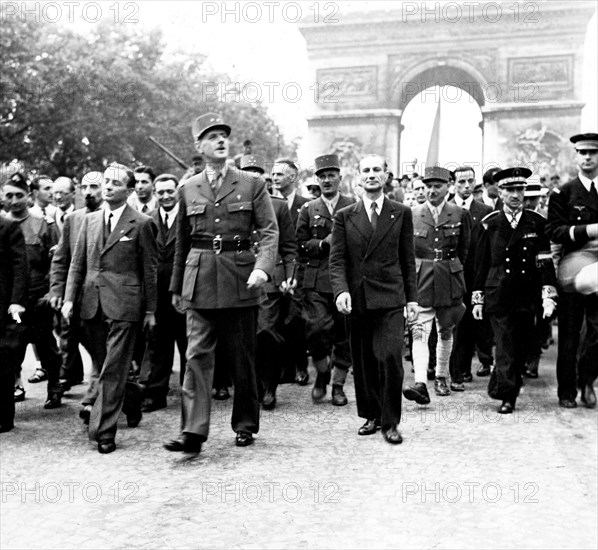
(437, 254)
(217, 244)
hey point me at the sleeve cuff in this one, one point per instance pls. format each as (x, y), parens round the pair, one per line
(549, 292)
(477, 298)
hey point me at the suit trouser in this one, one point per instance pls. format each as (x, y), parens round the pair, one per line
(235, 329)
(7, 383)
(156, 367)
(470, 335)
(294, 335)
(270, 343)
(325, 332)
(70, 336)
(512, 331)
(571, 373)
(376, 340)
(112, 344)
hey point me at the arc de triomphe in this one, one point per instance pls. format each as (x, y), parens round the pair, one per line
(521, 61)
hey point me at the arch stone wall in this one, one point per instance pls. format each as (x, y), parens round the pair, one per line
(524, 70)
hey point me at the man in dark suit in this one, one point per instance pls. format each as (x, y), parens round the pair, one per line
(470, 335)
(490, 194)
(514, 273)
(284, 175)
(170, 328)
(14, 280)
(113, 271)
(442, 232)
(372, 272)
(71, 372)
(325, 326)
(572, 223)
(217, 280)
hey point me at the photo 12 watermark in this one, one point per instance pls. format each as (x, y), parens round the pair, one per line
(70, 12)
(470, 12)
(253, 492)
(453, 492)
(71, 492)
(269, 12)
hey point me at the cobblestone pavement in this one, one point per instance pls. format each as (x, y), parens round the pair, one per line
(464, 477)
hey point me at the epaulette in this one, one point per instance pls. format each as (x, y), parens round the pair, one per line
(487, 217)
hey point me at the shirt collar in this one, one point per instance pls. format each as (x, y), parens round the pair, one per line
(367, 202)
(439, 207)
(587, 182)
(464, 203)
(116, 214)
(511, 213)
(212, 173)
(171, 215)
(331, 204)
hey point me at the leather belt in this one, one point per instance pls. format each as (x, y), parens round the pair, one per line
(440, 255)
(218, 244)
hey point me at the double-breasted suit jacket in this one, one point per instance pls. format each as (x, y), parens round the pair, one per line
(376, 268)
(287, 245)
(120, 276)
(14, 269)
(440, 254)
(513, 264)
(314, 235)
(206, 280)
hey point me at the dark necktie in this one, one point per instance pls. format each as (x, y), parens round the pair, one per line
(44, 211)
(216, 182)
(374, 218)
(165, 226)
(62, 218)
(593, 192)
(144, 209)
(108, 228)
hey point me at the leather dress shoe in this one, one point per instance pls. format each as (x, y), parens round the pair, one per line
(221, 394)
(185, 443)
(567, 403)
(269, 401)
(151, 404)
(19, 394)
(588, 396)
(244, 439)
(418, 393)
(133, 419)
(440, 387)
(369, 428)
(302, 377)
(54, 401)
(66, 385)
(506, 408)
(85, 413)
(457, 386)
(338, 395)
(40, 375)
(392, 436)
(531, 370)
(484, 370)
(467, 377)
(106, 446)
(319, 390)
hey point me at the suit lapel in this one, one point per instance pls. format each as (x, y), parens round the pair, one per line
(360, 220)
(388, 216)
(589, 200)
(124, 225)
(322, 210)
(426, 215)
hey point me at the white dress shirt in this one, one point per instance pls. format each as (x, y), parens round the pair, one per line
(171, 215)
(116, 214)
(331, 204)
(367, 202)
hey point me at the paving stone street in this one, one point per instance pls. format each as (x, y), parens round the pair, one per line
(464, 477)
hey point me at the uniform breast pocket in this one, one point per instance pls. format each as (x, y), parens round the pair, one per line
(240, 215)
(579, 214)
(318, 229)
(452, 232)
(197, 216)
(422, 233)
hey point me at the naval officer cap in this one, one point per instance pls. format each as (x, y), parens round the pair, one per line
(436, 173)
(206, 122)
(327, 162)
(512, 177)
(255, 163)
(585, 141)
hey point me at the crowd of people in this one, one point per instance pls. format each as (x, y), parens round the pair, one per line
(247, 278)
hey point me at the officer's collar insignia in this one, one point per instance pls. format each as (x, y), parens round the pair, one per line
(581, 207)
(529, 235)
(317, 217)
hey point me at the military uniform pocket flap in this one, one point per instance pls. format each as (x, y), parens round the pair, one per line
(452, 230)
(455, 265)
(196, 209)
(420, 233)
(239, 207)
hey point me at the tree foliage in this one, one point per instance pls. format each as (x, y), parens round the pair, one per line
(70, 103)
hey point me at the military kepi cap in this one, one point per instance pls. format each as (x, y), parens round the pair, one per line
(327, 162)
(436, 173)
(585, 141)
(512, 177)
(206, 122)
(253, 162)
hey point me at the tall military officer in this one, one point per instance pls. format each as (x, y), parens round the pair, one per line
(217, 279)
(325, 325)
(514, 272)
(572, 222)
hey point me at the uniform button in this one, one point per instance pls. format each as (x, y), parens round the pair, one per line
(523, 271)
(217, 220)
(436, 240)
(523, 260)
(525, 248)
(217, 204)
(508, 271)
(579, 218)
(508, 259)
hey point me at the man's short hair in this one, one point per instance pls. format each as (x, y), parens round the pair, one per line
(130, 183)
(288, 162)
(146, 170)
(247, 143)
(374, 155)
(488, 177)
(167, 177)
(37, 180)
(68, 180)
(462, 169)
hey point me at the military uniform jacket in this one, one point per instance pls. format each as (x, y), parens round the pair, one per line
(287, 246)
(119, 275)
(440, 254)
(314, 230)
(571, 206)
(204, 279)
(513, 264)
(14, 270)
(376, 267)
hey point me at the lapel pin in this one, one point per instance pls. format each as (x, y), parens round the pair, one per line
(238, 197)
(392, 216)
(317, 217)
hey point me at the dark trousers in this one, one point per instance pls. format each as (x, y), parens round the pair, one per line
(156, 366)
(7, 383)
(70, 336)
(112, 345)
(235, 329)
(295, 346)
(470, 335)
(573, 373)
(376, 347)
(325, 330)
(36, 327)
(270, 343)
(512, 331)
